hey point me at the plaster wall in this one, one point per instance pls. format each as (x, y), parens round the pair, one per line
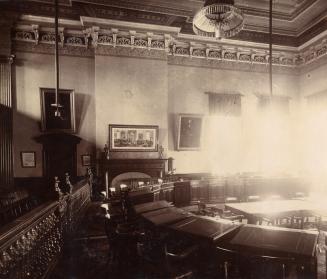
(32, 71)
(137, 91)
(186, 94)
(130, 91)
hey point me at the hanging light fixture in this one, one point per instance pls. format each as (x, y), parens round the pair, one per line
(219, 19)
(57, 105)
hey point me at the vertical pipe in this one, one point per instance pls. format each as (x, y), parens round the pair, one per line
(270, 49)
(56, 55)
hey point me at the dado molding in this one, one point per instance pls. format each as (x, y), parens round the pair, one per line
(118, 38)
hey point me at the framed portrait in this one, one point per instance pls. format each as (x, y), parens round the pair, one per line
(86, 160)
(189, 130)
(28, 159)
(133, 138)
(66, 121)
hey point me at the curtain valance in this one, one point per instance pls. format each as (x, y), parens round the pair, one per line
(227, 104)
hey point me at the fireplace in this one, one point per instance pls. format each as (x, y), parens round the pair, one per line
(114, 167)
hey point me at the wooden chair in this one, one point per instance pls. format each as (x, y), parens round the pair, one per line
(178, 265)
(274, 197)
(269, 267)
(253, 198)
(231, 199)
(228, 263)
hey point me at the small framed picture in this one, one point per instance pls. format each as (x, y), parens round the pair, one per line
(28, 159)
(86, 160)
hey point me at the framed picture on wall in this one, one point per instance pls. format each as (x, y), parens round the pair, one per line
(133, 137)
(86, 160)
(28, 159)
(66, 121)
(189, 130)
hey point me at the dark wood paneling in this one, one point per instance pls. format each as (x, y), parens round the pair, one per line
(182, 193)
(167, 192)
(6, 124)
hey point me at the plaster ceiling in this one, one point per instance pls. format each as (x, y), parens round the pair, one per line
(294, 21)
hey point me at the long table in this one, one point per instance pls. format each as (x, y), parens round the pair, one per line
(206, 228)
(293, 241)
(255, 211)
(165, 216)
(151, 206)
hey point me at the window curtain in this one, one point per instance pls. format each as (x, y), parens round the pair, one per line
(226, 104)
(314, 134)
(317, 102)
(280, 104)
(275, 150)
(224, 133)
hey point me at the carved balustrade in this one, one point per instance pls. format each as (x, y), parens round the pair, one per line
(31, 244)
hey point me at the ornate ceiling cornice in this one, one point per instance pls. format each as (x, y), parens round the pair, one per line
(291, 18)
(160, 42)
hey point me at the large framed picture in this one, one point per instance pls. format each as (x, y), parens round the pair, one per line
(66, 121)
(133, 137)
(189, 130)
(28, 159)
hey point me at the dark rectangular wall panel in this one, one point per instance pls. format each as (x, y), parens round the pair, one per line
(6, 124)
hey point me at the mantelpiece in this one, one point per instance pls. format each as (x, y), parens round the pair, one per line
(113, 167)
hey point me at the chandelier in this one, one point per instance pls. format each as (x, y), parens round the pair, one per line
(219, 19)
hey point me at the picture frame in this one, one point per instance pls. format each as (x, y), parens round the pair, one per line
(189, 130)
(28, 159)
(133, 138)
(64, 123)
(86, 160)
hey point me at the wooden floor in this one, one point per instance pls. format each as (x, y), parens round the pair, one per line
(87, 256)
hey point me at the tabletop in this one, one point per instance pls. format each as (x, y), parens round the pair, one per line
(296, 242)
(165, 216)
(207, 228)
(151, 206)
(277, 208)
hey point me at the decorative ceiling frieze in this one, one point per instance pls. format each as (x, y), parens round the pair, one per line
(161, 42)
(227, 65)
(294, 21)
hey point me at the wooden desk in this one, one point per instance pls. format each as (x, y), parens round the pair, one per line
(205, 228)
(151, 206)
(270, 238)
(273, 249)
(255, 211)
(166, 216)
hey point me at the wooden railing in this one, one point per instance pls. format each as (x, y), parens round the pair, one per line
(31, 245)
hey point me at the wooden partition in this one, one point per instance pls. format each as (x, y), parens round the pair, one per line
(217, 189)
(31, 245)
